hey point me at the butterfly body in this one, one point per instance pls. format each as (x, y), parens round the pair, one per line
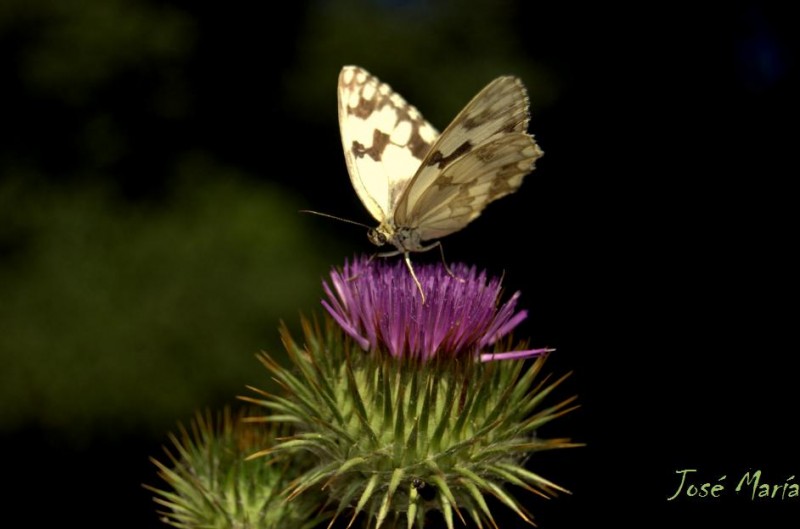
(405, 238)
(420, 185)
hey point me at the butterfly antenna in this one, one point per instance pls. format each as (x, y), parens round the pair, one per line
(335, 218)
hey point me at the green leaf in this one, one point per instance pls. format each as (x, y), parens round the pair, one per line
(447, 511)
(388, 401)
(410, 453)
(424, 416)
(361, 412)
(365, 496)
(503, 496)
(399, 426)
(444, 417)
(394, 482)
(411, 512)
(446, 494)
(538, 394)
(532, 477)
(475, 493)
(346, 498)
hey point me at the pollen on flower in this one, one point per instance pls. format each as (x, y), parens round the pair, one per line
(378, 305)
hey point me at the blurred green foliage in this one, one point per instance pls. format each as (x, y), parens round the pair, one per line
(125, 315)
(438, 54)
(70, 49)
(138, 278)
(95, 89)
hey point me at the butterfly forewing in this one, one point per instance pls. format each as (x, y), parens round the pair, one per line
(384, 138)
(499, 110)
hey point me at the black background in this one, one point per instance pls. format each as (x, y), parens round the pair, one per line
(654, 246)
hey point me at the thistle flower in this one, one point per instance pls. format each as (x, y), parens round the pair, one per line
(395, 439)
(209, 483)
(377, 303)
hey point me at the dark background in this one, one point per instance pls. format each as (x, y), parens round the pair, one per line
(153, 156)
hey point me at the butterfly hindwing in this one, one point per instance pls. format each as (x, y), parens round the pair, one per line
(467, 185)
(384, 138)
(498, 111)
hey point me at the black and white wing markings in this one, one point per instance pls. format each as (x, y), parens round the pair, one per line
(467, 185)
(498, 112)
(384, 139)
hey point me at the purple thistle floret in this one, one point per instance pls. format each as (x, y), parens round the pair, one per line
(379, 305)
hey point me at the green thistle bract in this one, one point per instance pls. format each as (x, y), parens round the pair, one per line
(211, 485)
(384, 429)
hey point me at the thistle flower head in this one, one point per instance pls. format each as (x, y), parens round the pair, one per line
(209, 483)
(378, 305)
(397, 440)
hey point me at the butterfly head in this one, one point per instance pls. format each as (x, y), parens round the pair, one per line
(405, 239)
(378, 236)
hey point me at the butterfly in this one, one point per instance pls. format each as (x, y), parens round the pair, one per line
(421, 185)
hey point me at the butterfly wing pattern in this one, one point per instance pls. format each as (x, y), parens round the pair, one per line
(420, 185)
(384, 138)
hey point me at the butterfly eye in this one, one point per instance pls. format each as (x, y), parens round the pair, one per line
(375, 237)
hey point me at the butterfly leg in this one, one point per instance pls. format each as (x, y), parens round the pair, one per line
(407, 258)
(444, 262)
